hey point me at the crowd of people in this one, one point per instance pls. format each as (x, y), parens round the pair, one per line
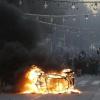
(84, 64)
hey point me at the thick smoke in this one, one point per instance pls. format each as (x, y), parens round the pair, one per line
(19, 36)
(14, 26)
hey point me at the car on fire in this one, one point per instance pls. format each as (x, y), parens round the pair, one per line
(52, 82)
(57, 81)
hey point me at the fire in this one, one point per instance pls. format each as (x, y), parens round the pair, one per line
(44, 83)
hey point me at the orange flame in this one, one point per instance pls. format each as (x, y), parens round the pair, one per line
(43, 83)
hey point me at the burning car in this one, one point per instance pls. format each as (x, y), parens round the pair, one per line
(53, 82)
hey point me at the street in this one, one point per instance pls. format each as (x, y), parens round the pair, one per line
(88, 85)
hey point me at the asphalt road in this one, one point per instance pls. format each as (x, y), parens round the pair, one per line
(89, 85)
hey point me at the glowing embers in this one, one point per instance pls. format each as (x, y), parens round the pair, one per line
(56, 82)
